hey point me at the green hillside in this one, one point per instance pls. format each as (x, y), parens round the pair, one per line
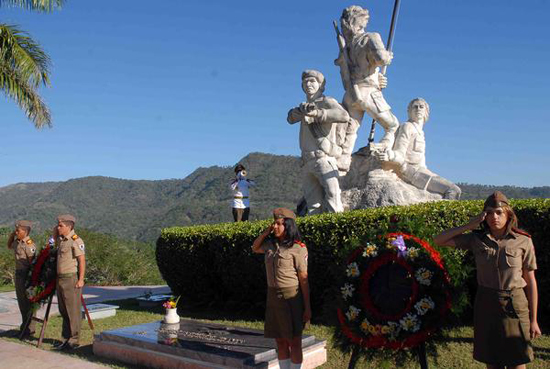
(138, 209)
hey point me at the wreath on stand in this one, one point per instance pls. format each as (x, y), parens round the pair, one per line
(394, 296)
(42, 276)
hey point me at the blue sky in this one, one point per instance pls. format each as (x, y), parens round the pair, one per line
(146, 91)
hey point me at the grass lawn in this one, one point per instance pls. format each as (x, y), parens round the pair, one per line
(7, 288)
(455, 352)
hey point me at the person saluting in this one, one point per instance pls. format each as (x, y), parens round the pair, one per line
(288, 306)
(505, 309)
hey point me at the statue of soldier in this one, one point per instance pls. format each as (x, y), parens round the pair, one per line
(360, 58)
(409, 154)
(319, 116)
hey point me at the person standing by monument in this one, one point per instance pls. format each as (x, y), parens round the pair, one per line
(318, 116)
(505, 310)
(24, 249)
(409, 154)
(359, 60)
(71, 268)
(288, 307)
(241, 188)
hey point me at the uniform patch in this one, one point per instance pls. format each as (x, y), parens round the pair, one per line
(33, 250)
(81, 247)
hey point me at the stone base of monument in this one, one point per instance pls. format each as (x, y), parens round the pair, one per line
(191, 344)
(370, 183)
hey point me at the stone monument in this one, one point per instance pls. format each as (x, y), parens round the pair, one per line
(392, 172)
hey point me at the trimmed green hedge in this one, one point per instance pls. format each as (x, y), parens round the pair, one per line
(213, 264)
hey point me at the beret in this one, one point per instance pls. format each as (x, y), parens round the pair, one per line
(23, 223)
(66, 218)
(496, 200)
(283, 213)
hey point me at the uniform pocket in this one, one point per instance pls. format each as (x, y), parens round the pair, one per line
(513, 257)
(284, 261)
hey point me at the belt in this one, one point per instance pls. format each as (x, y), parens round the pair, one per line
(240, 197)
(65, 275)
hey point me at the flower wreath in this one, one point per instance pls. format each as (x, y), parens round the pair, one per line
(419, 314)
(42, 276)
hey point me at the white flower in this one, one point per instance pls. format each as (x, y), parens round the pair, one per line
(413, 252)
(370, 250)
(352, 313)
(410, 323)
(424, 305)
(395, 328)
(347, 290)
(353, 270)
(424, 276)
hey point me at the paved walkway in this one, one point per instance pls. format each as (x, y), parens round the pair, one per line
(11, 354)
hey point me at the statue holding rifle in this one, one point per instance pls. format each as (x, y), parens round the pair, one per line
(361, 55)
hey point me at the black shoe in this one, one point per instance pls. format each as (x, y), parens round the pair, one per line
(13, 334)
(70, 346)
(60, 345)
(26, 335)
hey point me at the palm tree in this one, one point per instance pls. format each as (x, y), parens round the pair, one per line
(24, 66)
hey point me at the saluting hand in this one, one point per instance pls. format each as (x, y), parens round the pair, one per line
(477, 220)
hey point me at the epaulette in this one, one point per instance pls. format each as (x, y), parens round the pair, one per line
(30, 242)
(74, 237)
(519, 231)
(300, 243)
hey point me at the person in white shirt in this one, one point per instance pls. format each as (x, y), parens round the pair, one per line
(241, 201)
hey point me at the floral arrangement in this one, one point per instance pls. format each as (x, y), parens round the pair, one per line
(42, 276)
(171, 303)
(420, 309)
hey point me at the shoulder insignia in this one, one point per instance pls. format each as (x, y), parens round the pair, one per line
(518, 231)
(300, 243)
(30, 242)
(74, 237)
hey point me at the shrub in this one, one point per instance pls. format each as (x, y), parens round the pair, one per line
(213, 264)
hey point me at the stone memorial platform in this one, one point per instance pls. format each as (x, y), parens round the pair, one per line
(191, 344)
(99, 311)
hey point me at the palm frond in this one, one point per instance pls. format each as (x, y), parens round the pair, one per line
(46, 6)
(23, 67)
(19, 51)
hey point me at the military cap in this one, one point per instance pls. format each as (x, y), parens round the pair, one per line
(66, 218)
(315, 74)
(496, 200)
(283, 213)
(23, 223)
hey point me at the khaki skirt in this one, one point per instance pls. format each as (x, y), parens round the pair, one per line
(501, 327)
(284, 313)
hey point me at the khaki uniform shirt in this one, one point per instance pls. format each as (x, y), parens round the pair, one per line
(282, 264)
(24, 250)
(500, 263)
(69, 249)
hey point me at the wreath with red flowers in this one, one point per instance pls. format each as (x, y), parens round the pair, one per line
(42, 276)
(395, 293)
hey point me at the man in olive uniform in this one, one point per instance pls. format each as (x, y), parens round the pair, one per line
(71, 267)
(24, 249)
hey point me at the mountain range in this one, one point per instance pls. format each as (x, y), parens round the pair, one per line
(139, 209)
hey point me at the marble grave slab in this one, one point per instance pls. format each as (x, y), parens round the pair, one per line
(192, 344)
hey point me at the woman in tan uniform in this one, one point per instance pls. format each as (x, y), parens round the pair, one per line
(505, 310)
(287, 307)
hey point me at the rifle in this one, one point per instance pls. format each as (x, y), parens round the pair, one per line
(349, 86)
(388, 47)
